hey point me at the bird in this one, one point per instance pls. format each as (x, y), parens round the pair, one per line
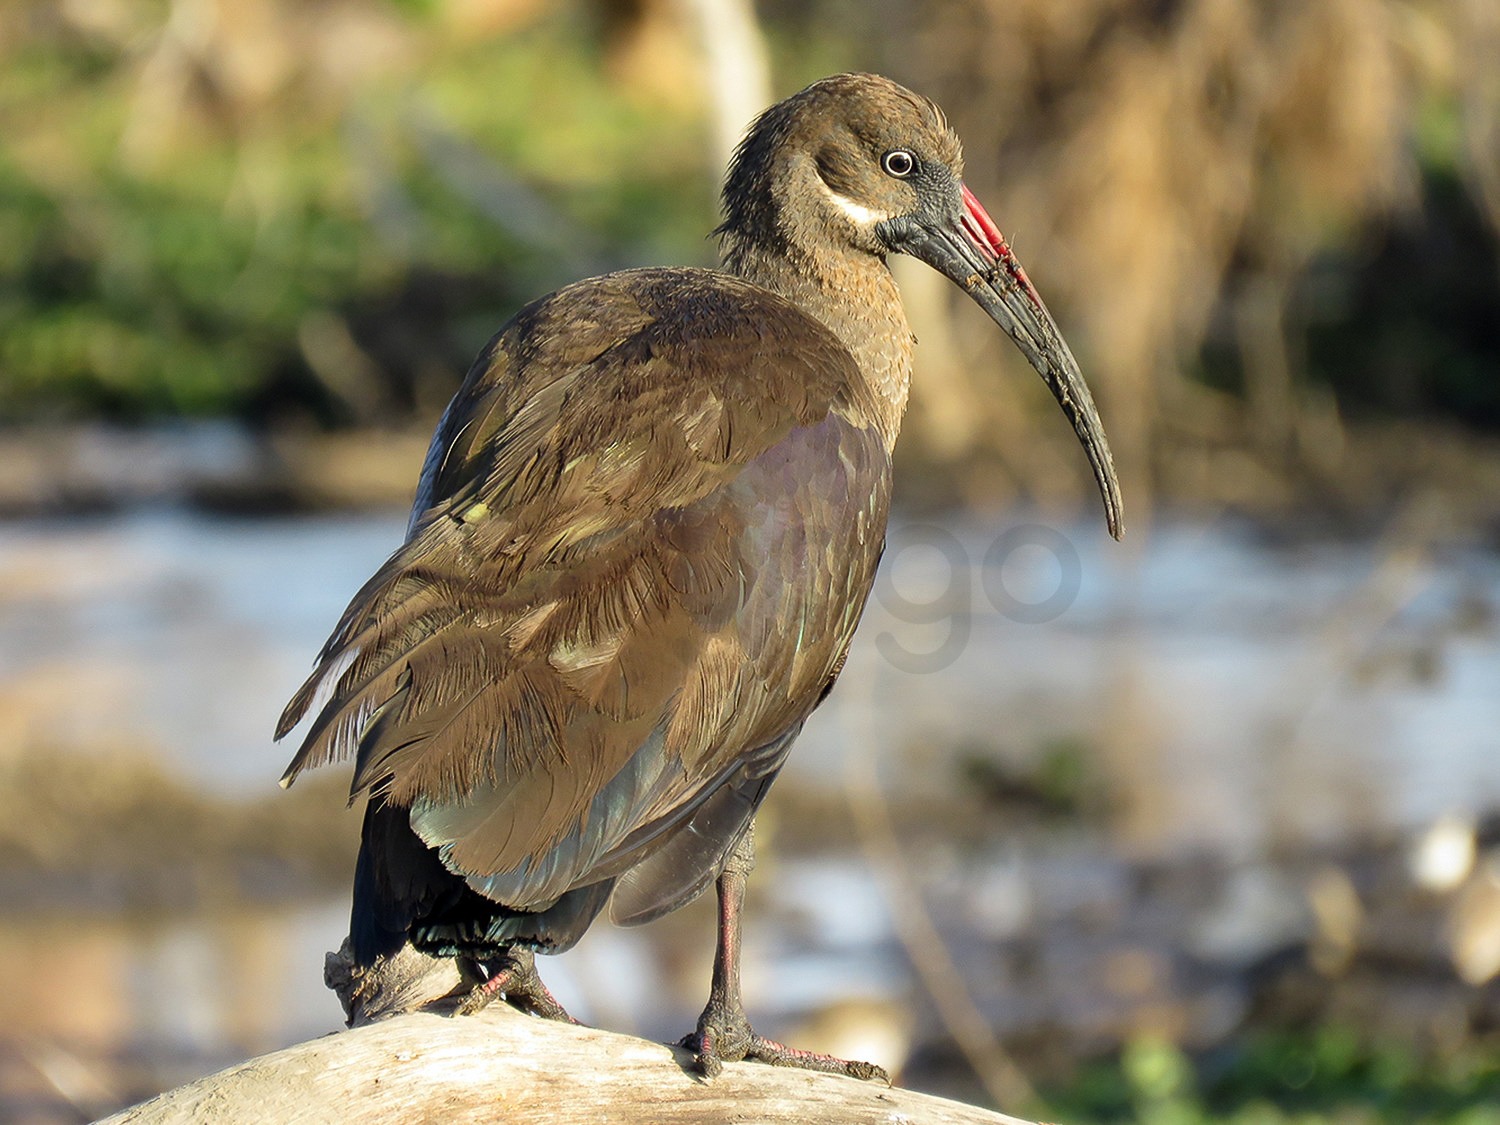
(642, 538)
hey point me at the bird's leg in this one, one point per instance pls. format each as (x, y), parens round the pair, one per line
(724, 1033)
(514, 977)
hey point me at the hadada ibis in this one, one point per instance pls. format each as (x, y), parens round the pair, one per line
(642, 539)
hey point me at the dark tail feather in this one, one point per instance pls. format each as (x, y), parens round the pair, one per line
(398, 880)
(402, 892)
(483, 929)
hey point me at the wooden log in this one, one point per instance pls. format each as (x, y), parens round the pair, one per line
(408, 1059)
(501, 1065)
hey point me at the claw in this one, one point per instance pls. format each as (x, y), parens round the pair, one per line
(724, 1035)
(514, 978)
(779, 1054)
(705, 1055)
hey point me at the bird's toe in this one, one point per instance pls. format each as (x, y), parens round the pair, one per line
(779, 1054)
(724, 1035)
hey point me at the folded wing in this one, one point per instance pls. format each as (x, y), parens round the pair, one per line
(643, 538)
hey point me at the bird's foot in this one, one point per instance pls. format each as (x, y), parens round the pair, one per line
(724, 1035)
(514, 978)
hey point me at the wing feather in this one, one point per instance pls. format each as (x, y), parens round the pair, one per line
(638, 552)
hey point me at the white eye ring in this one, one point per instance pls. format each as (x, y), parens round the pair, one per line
(898, 163)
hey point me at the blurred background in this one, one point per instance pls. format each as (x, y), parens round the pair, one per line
(1197, 827)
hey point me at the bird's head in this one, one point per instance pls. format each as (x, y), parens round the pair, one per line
(857, 164)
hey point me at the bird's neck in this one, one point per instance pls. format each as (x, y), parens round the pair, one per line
(855, 296)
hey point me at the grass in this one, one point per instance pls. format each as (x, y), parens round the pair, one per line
(165, 245)
(1329, 1076)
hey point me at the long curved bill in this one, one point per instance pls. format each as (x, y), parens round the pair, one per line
(970, 250)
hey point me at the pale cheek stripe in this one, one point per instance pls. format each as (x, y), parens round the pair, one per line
(857, 212)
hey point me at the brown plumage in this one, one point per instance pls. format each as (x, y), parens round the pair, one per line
(642, 540)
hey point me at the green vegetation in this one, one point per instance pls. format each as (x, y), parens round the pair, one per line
(1325, 1078)
(1416, 327)
(1058, 781)
(315, 214)
(167, 240)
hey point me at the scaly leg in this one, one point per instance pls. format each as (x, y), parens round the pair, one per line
(514, 977)
(724, 1033)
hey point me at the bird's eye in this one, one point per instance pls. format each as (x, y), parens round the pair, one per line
(898, 162)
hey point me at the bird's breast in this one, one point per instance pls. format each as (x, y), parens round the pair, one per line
(855, 297)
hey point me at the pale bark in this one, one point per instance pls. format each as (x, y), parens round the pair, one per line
(500, 1065)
